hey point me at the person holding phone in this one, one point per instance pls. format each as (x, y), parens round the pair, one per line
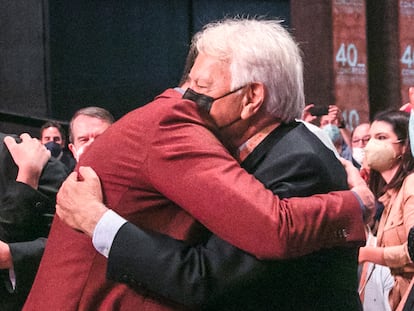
(332, 122)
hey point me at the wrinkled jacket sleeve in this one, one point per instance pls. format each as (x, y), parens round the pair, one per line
(26, 260)
(192, 168)
(23, 213)
(192, 274)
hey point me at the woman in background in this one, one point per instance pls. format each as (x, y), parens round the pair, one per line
(391, 166)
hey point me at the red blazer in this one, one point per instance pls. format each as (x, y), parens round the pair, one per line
(162, 167)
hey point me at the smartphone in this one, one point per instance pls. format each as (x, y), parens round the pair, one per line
(319, 110)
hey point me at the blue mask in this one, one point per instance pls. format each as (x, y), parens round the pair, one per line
(333, 132)
(54, 148)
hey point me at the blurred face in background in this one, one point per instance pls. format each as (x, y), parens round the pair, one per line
(52, 134)
(361, 136)
(359, 139)
(85, 130)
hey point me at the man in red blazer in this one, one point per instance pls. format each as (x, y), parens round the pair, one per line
(162, 166)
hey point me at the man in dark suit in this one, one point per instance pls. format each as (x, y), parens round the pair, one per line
(29, 181)
(167, 166)
(218, 276)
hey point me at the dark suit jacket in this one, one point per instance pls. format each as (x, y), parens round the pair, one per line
(159, 166)
(25, 218)
(218, 276)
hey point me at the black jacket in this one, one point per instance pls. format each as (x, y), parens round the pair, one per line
(291, 161)
(25, 218)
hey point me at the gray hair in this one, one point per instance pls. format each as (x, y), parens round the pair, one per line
(94, 112)
(259, 51)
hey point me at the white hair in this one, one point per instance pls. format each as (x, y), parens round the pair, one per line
(259, 51)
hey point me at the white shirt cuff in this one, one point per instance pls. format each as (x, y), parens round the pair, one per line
(106, 230)
(12, 277)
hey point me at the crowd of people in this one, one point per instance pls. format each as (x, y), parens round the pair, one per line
(218, 195)
(33, 171)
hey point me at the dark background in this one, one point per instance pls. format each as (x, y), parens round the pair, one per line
(113, 54)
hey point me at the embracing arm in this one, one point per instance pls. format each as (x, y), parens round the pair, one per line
(22, 205)
(188, 274)
(138, 257)
(233, 204)
(327, 220)
(186, 163)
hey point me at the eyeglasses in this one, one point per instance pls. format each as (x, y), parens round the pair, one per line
(363, 140)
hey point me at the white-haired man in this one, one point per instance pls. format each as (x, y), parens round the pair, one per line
(245, 87)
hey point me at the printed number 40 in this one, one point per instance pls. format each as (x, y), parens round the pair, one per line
(347, 54)
(407, 57)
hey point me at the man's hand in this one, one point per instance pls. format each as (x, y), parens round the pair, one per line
(358, 185)
(368, 199)
(6, 261)
(79, 200)
(334, 114)
(306, 115)
(30, 156)
(354, 177)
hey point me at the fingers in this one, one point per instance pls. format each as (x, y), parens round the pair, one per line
(87, 172)
(10, 142)
(346, 164)
(368, 200)
(72, 177)
(59, 211)
(308, 107)
(29, 154)
(26, 137)
(306, 115)
(334, 113)
(72, 184)
(343, 161)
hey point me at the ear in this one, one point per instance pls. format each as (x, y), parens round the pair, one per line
(72, 149)
(254, 100)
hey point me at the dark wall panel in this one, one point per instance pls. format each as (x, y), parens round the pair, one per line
(119, 55)
(115, 54)
(312, 26)
(57, 56)
(206, 11)
(383, 55)
(22, 57)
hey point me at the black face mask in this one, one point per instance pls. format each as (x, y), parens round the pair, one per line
(204, 101)
(55, 148)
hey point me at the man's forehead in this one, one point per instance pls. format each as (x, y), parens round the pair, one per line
(204, 65)
(94, 127)
(51, 131)
(362, 130)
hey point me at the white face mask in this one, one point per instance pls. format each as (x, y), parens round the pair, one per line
(358, 154)
(78, 152)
